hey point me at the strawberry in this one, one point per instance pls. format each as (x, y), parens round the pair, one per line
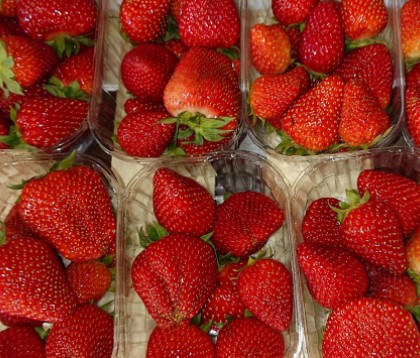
(363, 19)
(144, 20)
(267, 291)
(177, 47)
(8, 8)
(244, 223)
(87, 332)
(271, 95)
(294, 38)
(321, 46)
(174, 277)
(71, 208)
(290, 12)
(373, 65)
(412, 104)
(32, 282)
(249, 337)
(21, 342)
(209, 23)
(270, 49)
(413, 76)
(363, 120)
(412, 252)
(181, 204)
(25, 62)
(229, 273)
(89, 280)
(333, 275)
(401, 193)
(410, 29)
(183, 341)
(313, 119)
(370, 327)
(134, 104)
(146, 69)
(15, 226)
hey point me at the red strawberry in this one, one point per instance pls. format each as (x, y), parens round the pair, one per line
(270, 49)
(178, 48)
(244, 222)
(370, 327)
(363, 19)
(290, 12)
(271, 95)
(209, 23)
(15, 226)
(144, 20)
(181, 204)
(400, 193)
(88, 332)
(410, 29)
(267, 291)
(363, 119)
(71, 209)
(21, 342)
(294, 38)
(12, 321)
(183, 341)
(146, 69)
(413, 76)
(174, 276)
(313, 120)
(412, 104)
(8, 8)
(334, 275)
(249, 337)
(134, 104)
(373, 65)
(412, 252)
(321, 46)
(33, 283)
(229, 273)
(89, 280)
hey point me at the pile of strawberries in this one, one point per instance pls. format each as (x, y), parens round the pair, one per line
(197, 269)
(326, 75)
(57, 250)
(361, 260)
(46, 72)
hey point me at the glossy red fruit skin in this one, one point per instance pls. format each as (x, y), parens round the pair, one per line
(290, 12)
(21, 342)
(134, 104)
(412, 104)
(410, 29)
(15, 226)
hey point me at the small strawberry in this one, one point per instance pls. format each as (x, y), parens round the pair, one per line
(290, 12)
(412, 252)
(134, 104)
(244, 222)
(87, 332)
(249, 337)
(410, 29)
(270, 49)
(370, 327)
(321, 46)
(21, 342)
(412, 104)
(174, 277)
(146, 69)
(181, 204)
(8, 8)
(229, 273)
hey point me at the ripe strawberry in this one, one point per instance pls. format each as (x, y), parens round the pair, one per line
(15, 226)
(410, 29)
(174, 276)
(412, 252)
(294, 38)
(21, 342)
(271, 95)
(313, 120)
(181, 204)
(134, 104)
(290, 12)
(28, 61)
(183, 341)
(368, 326)
(71, 209)
(249, 337)
(229, 273)
(321, 46)
(32, 282)
(267, 291)
(270, 49)
(146, 69)
(373, 65)
(333, 275)
(144, 20)
(8, 8)
(89, 280)
(412, 104)
(87, 332)
(362, 119)
(244, 223)
(177, 47)
(209, 23)
(400, 193)
(363, 19)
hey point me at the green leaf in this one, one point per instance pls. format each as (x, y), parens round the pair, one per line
(67, 46)
(7, 77)
(2, 233)
(64, 164)
(416, 279)
(172, 32)
(248, 313)
(206, 237)
(151, 233)
(43, 334)
(107, 260)
(415, 311)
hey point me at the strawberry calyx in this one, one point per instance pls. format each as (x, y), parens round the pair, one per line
(172, 32)
(353, 44)
(8, 81)
(66, 45)
(416, 279)
(151, 233)
(288, 146)
(2, 233)
(410, 63)
(42, 332)
(231, 52)
(58, 89)
(354, 200)
(14, 138)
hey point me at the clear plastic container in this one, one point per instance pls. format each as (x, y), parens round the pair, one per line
(331, 179)
(220, 173)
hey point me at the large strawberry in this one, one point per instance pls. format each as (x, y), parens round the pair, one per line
(370, 327)
(290, 12)
(410, 29)
(32, 281)
(21, 342)
(174, 276)
(412, 104)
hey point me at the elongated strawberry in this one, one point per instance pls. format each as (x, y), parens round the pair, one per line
(174, 276)
(410, 29)
(412, 104)
(21, 342)
(290, 12)
(181, 204)
(368, 326)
